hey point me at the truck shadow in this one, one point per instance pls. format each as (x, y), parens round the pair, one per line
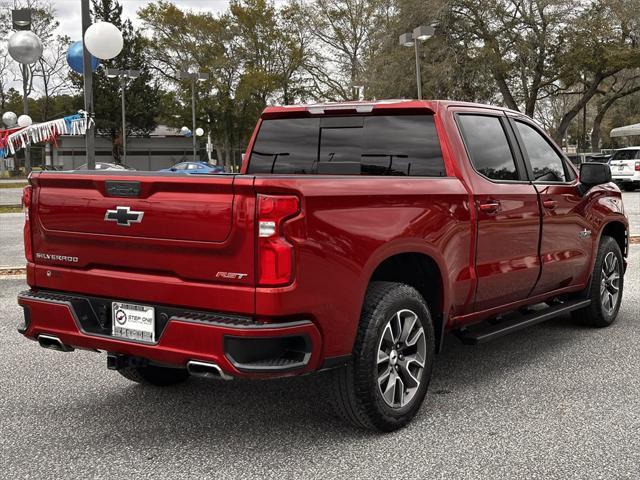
(280, 410)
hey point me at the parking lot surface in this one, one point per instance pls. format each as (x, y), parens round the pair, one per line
(558, 400)
(10, 196)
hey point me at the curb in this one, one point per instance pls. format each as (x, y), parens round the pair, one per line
(9, 271)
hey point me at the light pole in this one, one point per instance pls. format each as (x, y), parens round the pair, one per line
(194, 77)
(21, 20)
(123, 75)
(420, 33)
(87, 75)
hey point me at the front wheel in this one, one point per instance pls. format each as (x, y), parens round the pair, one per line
(386, 381)
(607, 283)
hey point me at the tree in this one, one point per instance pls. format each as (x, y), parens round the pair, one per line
(621, 86)
(600, 43)
(43, 24)
(51, 73)
(253, 54)
(342, 30)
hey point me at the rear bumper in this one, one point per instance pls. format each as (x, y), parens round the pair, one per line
(633, 178)
(240, 346)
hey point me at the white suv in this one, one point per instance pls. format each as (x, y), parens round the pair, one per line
(625, 168)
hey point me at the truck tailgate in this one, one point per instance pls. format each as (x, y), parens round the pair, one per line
(181, 228)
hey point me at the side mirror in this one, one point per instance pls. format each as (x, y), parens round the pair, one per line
(172, 169)
(594, 173)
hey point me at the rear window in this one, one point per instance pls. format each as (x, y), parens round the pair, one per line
(373, 145)
(625, 155)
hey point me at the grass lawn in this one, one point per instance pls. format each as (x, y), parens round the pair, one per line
(10, 209)
(13, 184)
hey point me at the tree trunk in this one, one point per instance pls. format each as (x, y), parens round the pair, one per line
(568, 117)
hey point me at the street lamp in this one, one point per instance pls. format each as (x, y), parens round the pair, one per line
(194, 77)
(421, 33)
(21, 20)
(123, 75)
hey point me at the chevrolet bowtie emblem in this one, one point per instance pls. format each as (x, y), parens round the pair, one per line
(123, 216)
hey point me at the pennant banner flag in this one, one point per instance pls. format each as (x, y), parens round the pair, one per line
(44, 132)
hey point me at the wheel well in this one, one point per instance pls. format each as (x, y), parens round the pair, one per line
(618, 232)
(422, 273)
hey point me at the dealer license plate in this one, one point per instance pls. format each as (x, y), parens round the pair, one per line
(135, 322)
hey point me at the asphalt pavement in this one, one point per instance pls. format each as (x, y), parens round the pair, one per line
(10, 196)
(558, 400)
(11, 241)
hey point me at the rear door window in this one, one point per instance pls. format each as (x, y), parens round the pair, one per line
(488, 147)
(362, 145)
(626, 155)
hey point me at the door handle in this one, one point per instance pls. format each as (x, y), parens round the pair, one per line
(490, 206)
(550, 204)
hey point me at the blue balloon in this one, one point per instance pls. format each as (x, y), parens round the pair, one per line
(74, 58)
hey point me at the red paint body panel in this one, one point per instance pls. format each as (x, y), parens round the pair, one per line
(195, 227)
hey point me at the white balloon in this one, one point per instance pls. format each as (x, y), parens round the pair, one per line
(104, 40)
(199, 132)
(24, 121)
(9, 119)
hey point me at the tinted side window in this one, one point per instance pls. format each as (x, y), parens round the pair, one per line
(545, 162)
(403, 145)
(626, 155)
(287, 145)
(370, 145)
(488, 147)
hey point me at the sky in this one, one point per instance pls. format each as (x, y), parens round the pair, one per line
(68, 12)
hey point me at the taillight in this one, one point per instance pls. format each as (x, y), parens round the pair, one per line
(637, 167)
(275, 253)
(26, 206)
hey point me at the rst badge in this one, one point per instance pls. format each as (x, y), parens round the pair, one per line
(123, 216)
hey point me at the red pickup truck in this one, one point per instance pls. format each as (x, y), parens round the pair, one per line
(355, 236)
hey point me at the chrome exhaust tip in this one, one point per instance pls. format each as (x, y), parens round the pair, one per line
(53, 343)
(207, 370)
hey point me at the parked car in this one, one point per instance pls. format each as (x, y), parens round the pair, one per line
(625, 168)
(194, 167)
(356, 236)
(106, 166)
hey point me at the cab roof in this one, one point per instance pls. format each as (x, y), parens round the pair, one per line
(363, 106)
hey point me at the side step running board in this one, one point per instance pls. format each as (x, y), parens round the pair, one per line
(484, 332)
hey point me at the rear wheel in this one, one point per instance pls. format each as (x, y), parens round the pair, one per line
(629, 187)
(386, 381)
(606, 287)
(154, 375)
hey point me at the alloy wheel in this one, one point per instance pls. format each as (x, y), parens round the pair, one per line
(610, 283)
(401, 358)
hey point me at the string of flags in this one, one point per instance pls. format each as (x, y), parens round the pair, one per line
(14, 139)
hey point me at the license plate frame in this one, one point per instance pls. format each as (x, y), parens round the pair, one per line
(132, 321)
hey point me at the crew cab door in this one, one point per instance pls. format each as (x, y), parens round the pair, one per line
(507, 209)
(566, 241)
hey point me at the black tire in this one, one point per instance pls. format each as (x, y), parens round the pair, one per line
(597, 314)
(354, 387)
(629, 187)
(153, 375)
